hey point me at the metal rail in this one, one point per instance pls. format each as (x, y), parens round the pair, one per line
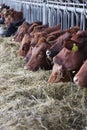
(67, 12)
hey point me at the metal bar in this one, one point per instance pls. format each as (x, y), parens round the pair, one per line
(68, 13)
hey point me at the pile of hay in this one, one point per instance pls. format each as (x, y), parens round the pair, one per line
(28, 102)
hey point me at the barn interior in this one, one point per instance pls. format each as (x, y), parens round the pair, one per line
(29, 100)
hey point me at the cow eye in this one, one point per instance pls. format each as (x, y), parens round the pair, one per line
(25, 47)
(40, 55)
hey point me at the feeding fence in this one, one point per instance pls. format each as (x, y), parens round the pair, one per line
(69, 12)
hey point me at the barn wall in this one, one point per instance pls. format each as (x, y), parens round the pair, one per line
(52, 12)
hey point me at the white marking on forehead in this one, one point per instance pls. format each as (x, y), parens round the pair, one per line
(59, 67)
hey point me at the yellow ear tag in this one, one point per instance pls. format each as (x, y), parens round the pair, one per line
(74, 48)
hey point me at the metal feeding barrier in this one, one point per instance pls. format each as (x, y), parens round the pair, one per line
(67, 12)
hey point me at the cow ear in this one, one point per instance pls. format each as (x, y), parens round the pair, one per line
(68, 44)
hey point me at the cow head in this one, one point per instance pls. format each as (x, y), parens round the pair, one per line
(57, 46)
(8, 15)
(37, 36)
(25, 45)
(38, 57)
(66, 64)
(21, 32)
(58, 75)
(69, 59)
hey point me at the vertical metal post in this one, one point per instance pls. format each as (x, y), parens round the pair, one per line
(49, 17)
(44, 12)
(72, 19)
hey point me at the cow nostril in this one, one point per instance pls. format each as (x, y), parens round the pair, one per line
(48, 52)
(75, 80)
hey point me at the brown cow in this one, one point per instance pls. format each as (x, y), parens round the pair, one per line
(25, 28)
(50, 38)
(54, 35)
(51, 52)
(25, 45)
(69, 59)
(21, 31)
(37, 36)
(59, 42)
(52, 29)
(38, 57)
(44, 33)
(12, 16)
(41, 27)
(81, 77)
(32, 44)
(67, 62)
(29, 53)
(24, 48)
(57, 76)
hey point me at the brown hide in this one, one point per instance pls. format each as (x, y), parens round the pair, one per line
(26, 28)
(81, 38)
(38, 57)
(21, 31)
(81, 77)
(73, 30)
(52, 29)
(37, 36)
(12, 16)
(25, 45)
(41, 27)
(69, 60)
(32, 26)
(65, 62)
(55, 48)
(56, 76)
(29, 53)
(64, 35)
(45, 33)
(68, 43)
(17, 15)
(54, 35)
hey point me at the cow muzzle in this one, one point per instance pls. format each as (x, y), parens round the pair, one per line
(60, 70)
(76, 80)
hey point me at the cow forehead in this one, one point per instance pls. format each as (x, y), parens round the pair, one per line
(37, 49)
(62, 54)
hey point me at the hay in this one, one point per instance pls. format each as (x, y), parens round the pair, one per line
(28, 102)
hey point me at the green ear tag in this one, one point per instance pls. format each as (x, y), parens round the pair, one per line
(74, 48)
